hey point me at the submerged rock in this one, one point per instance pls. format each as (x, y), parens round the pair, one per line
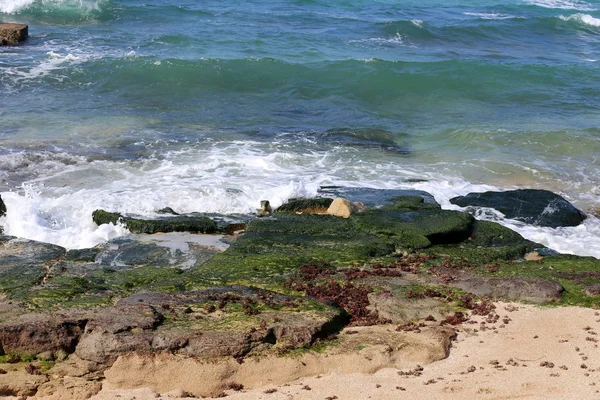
(364, 138)
(11, 34)
(532, 206)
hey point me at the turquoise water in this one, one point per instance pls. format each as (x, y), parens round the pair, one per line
(213, 106)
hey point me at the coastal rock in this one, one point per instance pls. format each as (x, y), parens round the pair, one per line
(535, 290)
(178, 322)
(532, 206)
(364, 138)
(68, 388)
(366, 350)
(399, 309)
(265, 208)
(2, 208)
(23, 263)
(41, 334)
(437, 226)
(375, 197)
(17, 382)
(308, 206)
(344, 208)
(11, 34)
(199, 224)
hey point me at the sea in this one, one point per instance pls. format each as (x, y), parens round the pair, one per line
(213, 106)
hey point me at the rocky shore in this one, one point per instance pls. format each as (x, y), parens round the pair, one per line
(357, 274)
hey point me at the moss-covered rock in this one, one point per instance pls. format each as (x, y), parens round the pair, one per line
(199, 224)
(311, 206)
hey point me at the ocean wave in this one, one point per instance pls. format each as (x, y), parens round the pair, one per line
(564, 4)
(492, 16)
(396, 39)
(48, 66)
(226, 178)
(369, 79)
(584, 19)
(59, 11)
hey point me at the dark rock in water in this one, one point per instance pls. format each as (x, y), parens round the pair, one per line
(2, 208)
(374, 197)
(11, 34)
(199, 224)
(365, 138)
(533, 206)
(167, 210)
(311, 206)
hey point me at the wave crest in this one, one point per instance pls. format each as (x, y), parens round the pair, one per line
(564, 4)
(57, 11)
(584, 19)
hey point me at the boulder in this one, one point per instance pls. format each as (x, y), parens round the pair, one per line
(344, 208)
(532, 206)
(11, 34)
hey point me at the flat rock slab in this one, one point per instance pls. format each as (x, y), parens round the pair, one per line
(372, 197)
(532, 206)
(193, 222)
(11, 34)
(535, 290)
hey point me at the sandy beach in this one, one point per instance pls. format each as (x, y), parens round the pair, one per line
(529, 353)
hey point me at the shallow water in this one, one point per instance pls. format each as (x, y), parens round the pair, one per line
(133, 106)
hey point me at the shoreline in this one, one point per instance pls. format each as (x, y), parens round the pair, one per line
(539, 354)
(317, 290)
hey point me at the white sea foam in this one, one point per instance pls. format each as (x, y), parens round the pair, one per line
(396, 39)
(16, 6)
(52, 62)
(492, 16)
(582, 18)
(12, 6)
(56, 206)
(564, 4)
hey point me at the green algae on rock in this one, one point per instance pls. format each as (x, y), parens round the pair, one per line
(199, 224)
